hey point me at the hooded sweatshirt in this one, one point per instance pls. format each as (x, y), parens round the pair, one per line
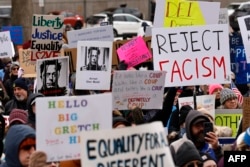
(15, 135)
(32, 116)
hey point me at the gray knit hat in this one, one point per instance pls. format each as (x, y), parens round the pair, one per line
(225, 94)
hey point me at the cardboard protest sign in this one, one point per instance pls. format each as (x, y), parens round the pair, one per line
(194, 55)
(102, 33)
(117, 44)
(27, 65)
(228, 117)
(244, 24)
(204, 101)
(6, 47)
(246, 113)
(134, 52)
(52, 76)
(176, 13)
(65, 118)
(72, 54)
(143, 145)
(138, 88)
(239, 65)
(93, 65)
(16, 33)
(47, 35)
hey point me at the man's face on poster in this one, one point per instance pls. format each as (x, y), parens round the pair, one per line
(51, 76)
(94, 57)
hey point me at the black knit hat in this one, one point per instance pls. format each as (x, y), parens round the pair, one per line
(20, 82)
(186, 153)
(183, 113)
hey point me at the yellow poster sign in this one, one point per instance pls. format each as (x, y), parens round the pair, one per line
(228, 117)
(183, 13)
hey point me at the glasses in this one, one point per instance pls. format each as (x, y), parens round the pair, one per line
(28, 147)
(13, 69)
(194, 164)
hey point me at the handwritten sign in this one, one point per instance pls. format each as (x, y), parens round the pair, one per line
(143, 145)
(47, 35)
(228, 117)
(194, 55)
(204, 101)
(244, 24)
(177, 13)
(6, 47)
(27, 65)
(102, 33)
(65, 118)
(117, 44)
(141, 88)
(134, 52)
(16, 33)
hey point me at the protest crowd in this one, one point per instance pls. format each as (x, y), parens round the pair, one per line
(147, 115)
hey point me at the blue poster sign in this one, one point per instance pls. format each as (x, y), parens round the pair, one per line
(238, 59)
(16, 34)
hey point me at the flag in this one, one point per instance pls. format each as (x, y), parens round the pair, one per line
(237, 92)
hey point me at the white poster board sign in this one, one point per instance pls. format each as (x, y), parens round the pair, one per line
(244, 23)
(47, 36)
(204, 101)
(59, 121)
(138, 88)
(102, 33)
(93, 67)
(143, 145)
(194, 55)
(6, 46)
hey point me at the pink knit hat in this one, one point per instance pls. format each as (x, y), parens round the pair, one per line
(212, 88)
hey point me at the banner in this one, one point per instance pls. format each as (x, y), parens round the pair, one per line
(16, 33)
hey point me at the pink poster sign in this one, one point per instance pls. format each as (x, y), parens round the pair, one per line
(134, 52)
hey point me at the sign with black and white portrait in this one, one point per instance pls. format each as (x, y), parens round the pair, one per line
(93, 68)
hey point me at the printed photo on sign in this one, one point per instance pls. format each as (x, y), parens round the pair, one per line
(93, 65)
(60, 120)
(52, 76)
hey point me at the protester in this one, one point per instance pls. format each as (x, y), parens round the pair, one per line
(208, 161)
(31, 106)
(228, 99)
(195, 133)
(215, 89)
(18, 116)
(21, 95)
(13, 76)
(243, 141)
(2, 134)
(188, 155)
(20, 143)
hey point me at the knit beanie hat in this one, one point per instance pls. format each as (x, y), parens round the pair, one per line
(212, 88)
(225, 94)
(246, 138)
(186, 153)
(118, 120)
(18, 115)
(20, 82)
(205, 157)
(183, 113)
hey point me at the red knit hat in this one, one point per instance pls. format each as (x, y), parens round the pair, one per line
(212, 88)
(18, 115)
